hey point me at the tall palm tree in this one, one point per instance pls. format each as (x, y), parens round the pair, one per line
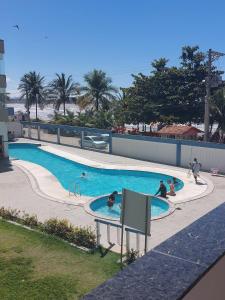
(32, 89)
(98, 91)
(62, 89)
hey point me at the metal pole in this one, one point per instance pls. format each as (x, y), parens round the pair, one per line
(38, 132)
(110, 143)
(121, 248)
(58, 135)
(128, 241)
(108, 234)
(146, 222)
(82, 139)
(207, 97)
(138, 243)
(98, 235)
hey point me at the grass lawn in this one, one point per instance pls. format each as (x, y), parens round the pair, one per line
(34, 266)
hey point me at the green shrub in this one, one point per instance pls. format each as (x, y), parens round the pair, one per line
(84, 237)
(31, 221)
(60, 228)
(9, 214)
(131, 255)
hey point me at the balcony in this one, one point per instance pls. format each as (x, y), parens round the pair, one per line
(2, 50)
(2, 82)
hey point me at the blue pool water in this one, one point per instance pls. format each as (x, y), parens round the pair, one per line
(158, 207)
(98, 181)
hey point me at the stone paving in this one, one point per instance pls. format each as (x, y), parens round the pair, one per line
(16, 191)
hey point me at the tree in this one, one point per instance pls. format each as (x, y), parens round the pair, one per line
(62, 89)
(98, 91)
(169, 94)
(68, 119)
(32, 90)
(192, 91)
(119, 109)
(218, 109)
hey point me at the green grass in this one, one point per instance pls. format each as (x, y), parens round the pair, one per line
(35, 266)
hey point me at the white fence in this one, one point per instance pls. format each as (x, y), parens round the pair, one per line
(146, 150)
(209, 157)
(170, 151)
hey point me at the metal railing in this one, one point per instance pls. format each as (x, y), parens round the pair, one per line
(67, 135)
(128, 232)
(75, 190)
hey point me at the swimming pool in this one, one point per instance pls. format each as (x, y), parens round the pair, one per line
(99, 207)
(98, 181)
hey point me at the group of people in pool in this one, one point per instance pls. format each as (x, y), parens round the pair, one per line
(162, 191)
(195, 167)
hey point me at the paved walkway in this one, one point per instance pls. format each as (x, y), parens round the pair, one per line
(17, 192)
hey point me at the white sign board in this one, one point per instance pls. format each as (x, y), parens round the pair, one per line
(136, 211)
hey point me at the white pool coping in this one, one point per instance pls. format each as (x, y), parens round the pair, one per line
(95, 214)
(46, 184)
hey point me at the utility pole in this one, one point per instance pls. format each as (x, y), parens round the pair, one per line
(211, 81)
(208, 95)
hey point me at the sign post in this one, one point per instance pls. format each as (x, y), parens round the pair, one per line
(135, 213)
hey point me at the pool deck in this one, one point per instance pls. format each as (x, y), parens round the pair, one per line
(20, 189)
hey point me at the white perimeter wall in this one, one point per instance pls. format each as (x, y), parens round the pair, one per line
(3, 132)
(209, 157)
(146, 150)
(16, 128)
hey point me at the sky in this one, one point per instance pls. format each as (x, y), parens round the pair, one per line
(121, 37)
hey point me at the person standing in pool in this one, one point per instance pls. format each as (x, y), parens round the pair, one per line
(162, 190)
(111, 199)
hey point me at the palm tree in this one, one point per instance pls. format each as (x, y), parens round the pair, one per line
(98, 90)
(32, 89)
(62, 89)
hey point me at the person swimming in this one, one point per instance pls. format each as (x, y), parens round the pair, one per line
(111, 199)
(83, 175)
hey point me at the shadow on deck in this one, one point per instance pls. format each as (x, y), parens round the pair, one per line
(5, 165)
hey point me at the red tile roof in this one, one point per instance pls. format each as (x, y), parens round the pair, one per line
(178, 130)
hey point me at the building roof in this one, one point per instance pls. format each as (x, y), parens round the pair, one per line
(178, 130)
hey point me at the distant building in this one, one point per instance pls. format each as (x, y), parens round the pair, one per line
(179, 132)
(3, 113)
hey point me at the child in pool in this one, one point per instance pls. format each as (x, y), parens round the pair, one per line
(172, 190)
(111, 199)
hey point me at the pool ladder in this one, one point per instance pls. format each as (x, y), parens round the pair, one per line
(75, 190)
